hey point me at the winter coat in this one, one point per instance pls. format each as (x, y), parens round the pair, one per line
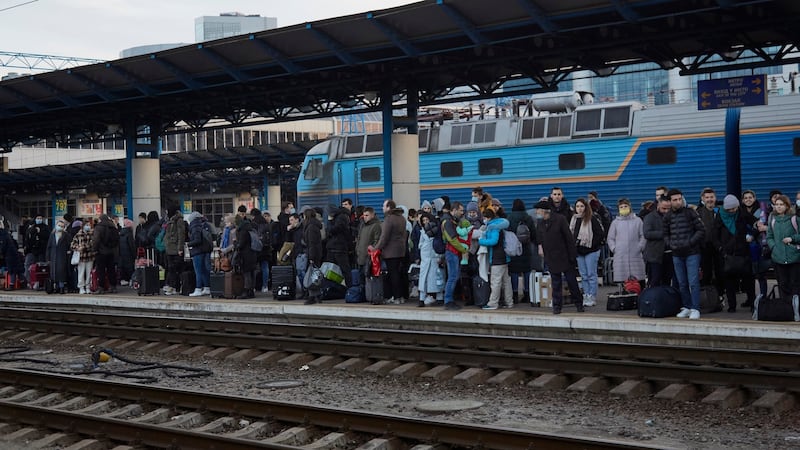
(339, 234)
(779, 227)
(105, 238)
(264, 231)
(556, 239)
(684, 232)
(598, 235)
(127, 250)
(10, 251)
(146, 235)
(370, 234)
(82, 242)
(175, 235)
(653, 230)
(708, 217)
(393, 242)
(530, 252)
(195, 239)
(56, 254)
(36, 237)
(626, 241)
(732, 244)
(312, 235)
(493, 239)
(245, 257)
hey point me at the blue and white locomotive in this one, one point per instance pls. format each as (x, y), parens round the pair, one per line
(618, 149)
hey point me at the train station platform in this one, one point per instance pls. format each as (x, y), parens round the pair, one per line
(713, 330)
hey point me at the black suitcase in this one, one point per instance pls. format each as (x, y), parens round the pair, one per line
(188, 282)
(622, 301)
(332, 290)
(226, 284)
(659, 301)
(373, 290)
(148, 277)
(282, 274)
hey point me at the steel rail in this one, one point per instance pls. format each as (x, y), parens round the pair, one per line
(745, 368)
(376, 424)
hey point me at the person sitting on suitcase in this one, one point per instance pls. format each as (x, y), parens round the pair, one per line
(684, 234)
(557, 247)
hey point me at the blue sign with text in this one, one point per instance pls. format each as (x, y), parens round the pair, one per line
(732, 92)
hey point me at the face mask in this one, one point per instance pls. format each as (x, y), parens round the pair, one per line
(291, 211)
(624, 210)
(539, 216)
(38, 221)
(86, 228)
(474, 199)
(797, 202)
(59, 227)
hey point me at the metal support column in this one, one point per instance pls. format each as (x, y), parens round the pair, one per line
(388, 127)
(412, 107)
(733, 157)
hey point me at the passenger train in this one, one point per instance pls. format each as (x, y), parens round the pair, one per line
(621, 149)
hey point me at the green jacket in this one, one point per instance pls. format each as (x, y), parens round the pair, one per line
(778, 228)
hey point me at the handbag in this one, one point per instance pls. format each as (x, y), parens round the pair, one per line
(313, 278)
(76, 258)
(285, 254)
(301, 262)
(222, 263)
(736, 264)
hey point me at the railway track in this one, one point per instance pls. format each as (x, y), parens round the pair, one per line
(48, 410)
(624, 369)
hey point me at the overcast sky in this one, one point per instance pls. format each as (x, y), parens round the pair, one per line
(100, 29)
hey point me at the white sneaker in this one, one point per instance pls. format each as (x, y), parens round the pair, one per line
(684, 313)
(591, 300)
(694, 314)
(265, 289)
(82, 291)
(196, 293)
(585, 299)
(165, 288)
(429, 300)
(206, 291)
(170, 291)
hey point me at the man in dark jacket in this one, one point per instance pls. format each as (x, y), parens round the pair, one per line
(557, 247)
(312, 236)
(657, 258)
(710, 258)
(246, 257)
(264, 257)
(339, 241)
(684, 234)
(393, 245)
(559, 204)
(106, 246)
(36, 237)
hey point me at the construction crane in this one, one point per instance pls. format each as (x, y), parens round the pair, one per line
(33, 61)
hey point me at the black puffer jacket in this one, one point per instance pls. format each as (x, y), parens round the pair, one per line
(339, 235)
(684, 232)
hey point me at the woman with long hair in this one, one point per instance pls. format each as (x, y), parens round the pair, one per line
(783, 239)
(759, 251)
(588, 233)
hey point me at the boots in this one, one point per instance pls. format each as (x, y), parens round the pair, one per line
(515, 297)
(525, 296)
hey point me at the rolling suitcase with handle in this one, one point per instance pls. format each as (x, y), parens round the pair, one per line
(226, 284)
(147, 276)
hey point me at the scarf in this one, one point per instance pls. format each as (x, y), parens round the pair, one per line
(729, 220)
(585, 236)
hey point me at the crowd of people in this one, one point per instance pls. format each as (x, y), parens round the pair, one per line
(446, 253)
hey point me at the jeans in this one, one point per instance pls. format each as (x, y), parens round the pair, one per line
(202, 270)
(264, 273)
(687, 272)
(453, 262)
(526, 276)
(587, 265)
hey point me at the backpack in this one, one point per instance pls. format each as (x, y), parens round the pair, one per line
(437, 240)
(255, 242)
(793, 219)
(208, 239)
(265, 236)
(511, 245)
(160, 244)
(523, 233)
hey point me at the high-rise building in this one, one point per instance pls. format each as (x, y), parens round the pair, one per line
(208, 28)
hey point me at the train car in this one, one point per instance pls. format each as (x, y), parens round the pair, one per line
(618, 149)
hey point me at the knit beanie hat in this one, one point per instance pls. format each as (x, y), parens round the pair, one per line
(730, 202)
(472, 206)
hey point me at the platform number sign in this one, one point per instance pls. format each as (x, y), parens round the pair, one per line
(60, 207)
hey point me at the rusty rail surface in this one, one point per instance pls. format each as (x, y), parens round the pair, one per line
(365, 426)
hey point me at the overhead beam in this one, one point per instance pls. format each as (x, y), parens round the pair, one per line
(179, 73)
(96, 88)
(465, 24)
(626, 11)
(539, 16)
(63, 98)
(27, 101)
(224, 64)
(134, 80)
(279, 57)
(397, 39)
(335, 46)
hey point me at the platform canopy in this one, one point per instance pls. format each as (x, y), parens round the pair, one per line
(340, 65)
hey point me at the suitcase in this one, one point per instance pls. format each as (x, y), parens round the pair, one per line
(148, 276)
(355, 277)
(188, 282)
(659, 301)
(709, 300)
(776, 309)
(541, 293)
(622, 301)
(38, 274)
(282, 274)
(94, 281)
(354, 294)
(373, 290)
(226, 284)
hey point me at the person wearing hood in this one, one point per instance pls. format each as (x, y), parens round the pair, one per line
(9, 251)
(105, 241)
(57, 254)
(337, 244)
(200, 247)
(246, 259)
(146, 237)
(127, 252)
(174, 244)
(83, 245)
(393, 246)
(626, 241)
(494, 239)
(431, 280)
